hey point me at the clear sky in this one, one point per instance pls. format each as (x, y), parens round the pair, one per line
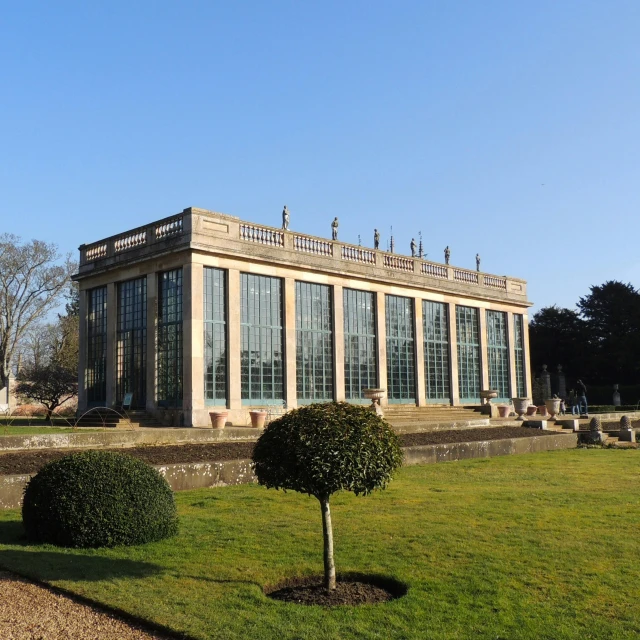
(506, 128)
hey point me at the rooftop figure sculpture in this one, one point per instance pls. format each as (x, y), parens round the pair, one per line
(447, 254)
(477, 262)
(334, 229)
(285, 218)
(376, 239)
(413, 247)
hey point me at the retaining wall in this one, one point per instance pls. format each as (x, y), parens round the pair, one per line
(199, 475)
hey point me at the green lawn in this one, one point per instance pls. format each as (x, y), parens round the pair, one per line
(30, 430)
(535, 546)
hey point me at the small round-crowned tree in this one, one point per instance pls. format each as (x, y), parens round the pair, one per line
(98, 499)
(322, 448)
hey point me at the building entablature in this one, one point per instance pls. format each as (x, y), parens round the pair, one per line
(215, 234)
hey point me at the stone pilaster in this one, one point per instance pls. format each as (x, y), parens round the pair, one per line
(513, 382)
(234, 345)
(526, 356)
(112, 319)
(381, 337)
(82, 352)
(193, 345)
(453, 354)
(421, 394)
(338, 343)
(152, 313)
(290, 388)
(484, 351)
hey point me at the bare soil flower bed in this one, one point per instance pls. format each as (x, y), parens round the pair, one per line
(311, 591)
(23, 462)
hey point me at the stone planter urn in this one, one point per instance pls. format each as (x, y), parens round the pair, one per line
(532, 410)
(520, 406)
(504, 410)
(553, 406)
(486, 395)
(375, 395)
(218, 419)
(258, 416)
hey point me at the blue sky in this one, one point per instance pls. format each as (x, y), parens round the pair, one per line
(511, 129)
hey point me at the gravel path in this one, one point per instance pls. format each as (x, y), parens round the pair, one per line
(31, 612)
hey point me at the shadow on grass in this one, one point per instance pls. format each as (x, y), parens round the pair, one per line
(53, 565)
(12, 532)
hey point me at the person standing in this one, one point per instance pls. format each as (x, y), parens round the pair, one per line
(582, 398)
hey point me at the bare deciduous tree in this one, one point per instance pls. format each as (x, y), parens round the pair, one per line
(32, 281)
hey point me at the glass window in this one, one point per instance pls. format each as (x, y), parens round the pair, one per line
(518, 330)
(170, 339)
(132, 341)
(215, 337)
(401, 378)
(314, 342)
(96, 366)
(468, 354)
(498, 353)
(436, 351)
(261, 334)
(360, 364)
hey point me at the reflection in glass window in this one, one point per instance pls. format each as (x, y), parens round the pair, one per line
(360, 368)
(261, 335)
(401, 378)
(314, 342)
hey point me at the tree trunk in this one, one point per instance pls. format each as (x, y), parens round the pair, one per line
(327, 534)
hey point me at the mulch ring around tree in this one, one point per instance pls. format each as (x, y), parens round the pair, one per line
(351, 590)
(31, 461)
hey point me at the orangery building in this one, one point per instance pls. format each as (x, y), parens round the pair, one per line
(201, 310)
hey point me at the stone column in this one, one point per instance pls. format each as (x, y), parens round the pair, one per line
(338, 344)
(82, 352)
(418, 332)
(526, 360)
(290, 387)
(484, 351)
(112, 319)
(511, 344)
(152, 313)
(381, 337)
(234, 346)
(193, 345)
(453, 354)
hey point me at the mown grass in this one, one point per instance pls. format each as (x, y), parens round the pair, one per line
(537, 546)
(32, 430)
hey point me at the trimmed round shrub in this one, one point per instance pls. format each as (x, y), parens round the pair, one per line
(98, 499)
(322, 448)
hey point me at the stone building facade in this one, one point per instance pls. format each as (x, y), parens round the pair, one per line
(202, 310)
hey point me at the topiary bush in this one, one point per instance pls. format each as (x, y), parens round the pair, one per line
(98, 499)
(323, 448)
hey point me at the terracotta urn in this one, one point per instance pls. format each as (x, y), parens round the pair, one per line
(520, 406)
(218, 419)
(553, 406)
(258, 416)
(504, 410)
(542, 410)
(532, 410)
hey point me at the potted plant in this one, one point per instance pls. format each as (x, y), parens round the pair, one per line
(218, 418)
(258, 416)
